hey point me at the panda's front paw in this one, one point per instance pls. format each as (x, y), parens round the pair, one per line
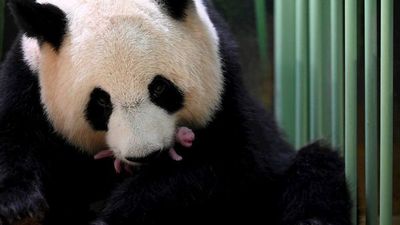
(22, 205)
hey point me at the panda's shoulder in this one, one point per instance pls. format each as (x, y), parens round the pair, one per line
(19, 86)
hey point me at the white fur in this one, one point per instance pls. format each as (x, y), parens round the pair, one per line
(121, 46)
(31, 53)
(134, 130)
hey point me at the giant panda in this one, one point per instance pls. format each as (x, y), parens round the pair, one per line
(90, 78)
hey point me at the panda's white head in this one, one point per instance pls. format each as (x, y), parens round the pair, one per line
(122, 74)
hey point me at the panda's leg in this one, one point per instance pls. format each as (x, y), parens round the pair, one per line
(315, 189)
(21, 184)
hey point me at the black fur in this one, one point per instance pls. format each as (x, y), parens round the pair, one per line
(99, 109)
(316, 166)
(166, 94)
(41, 174)
(240, 169)
(176, 8)
(46, 22)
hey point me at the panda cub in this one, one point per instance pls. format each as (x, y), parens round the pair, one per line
(121, 79)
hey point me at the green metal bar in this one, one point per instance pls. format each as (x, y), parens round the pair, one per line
(351, 99)
(386, 182)
(285, 66)
(371, 112)
(261, 19)
(302, 80)
(337, 73)
(316, 68)
(326, 71)
(2, 12)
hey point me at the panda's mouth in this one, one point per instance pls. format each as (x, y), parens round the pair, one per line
(184, 137)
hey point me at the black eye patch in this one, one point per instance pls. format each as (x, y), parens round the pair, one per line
(166, 94)
(176, 8)
(99, 109)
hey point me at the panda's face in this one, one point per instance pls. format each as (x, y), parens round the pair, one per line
(127, 74)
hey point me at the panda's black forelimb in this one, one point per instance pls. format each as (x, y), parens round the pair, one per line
(315, 189)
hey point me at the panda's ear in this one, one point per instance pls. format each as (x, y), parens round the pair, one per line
(176, 8)
(45, 22)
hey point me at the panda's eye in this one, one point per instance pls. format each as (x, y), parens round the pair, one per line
(160, 87)
(165, 94)
(99, 109)
(102, 102)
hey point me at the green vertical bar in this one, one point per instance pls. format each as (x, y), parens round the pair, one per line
(326, 71)
(2, 12)
(302, 130)
(351, 99)
(261, 19)
(285, 66)
(371, 112)
(316, 84)
(386, 182)
(337, 69)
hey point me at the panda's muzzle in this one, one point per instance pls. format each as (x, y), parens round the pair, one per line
(184, 137)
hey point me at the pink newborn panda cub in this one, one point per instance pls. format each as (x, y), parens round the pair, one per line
(184, 137)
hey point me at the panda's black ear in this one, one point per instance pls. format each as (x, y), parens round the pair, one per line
(45, 22)
(176, 8)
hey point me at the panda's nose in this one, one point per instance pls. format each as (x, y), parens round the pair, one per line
(147, 159)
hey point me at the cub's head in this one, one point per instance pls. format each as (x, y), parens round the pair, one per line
(122, 74)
